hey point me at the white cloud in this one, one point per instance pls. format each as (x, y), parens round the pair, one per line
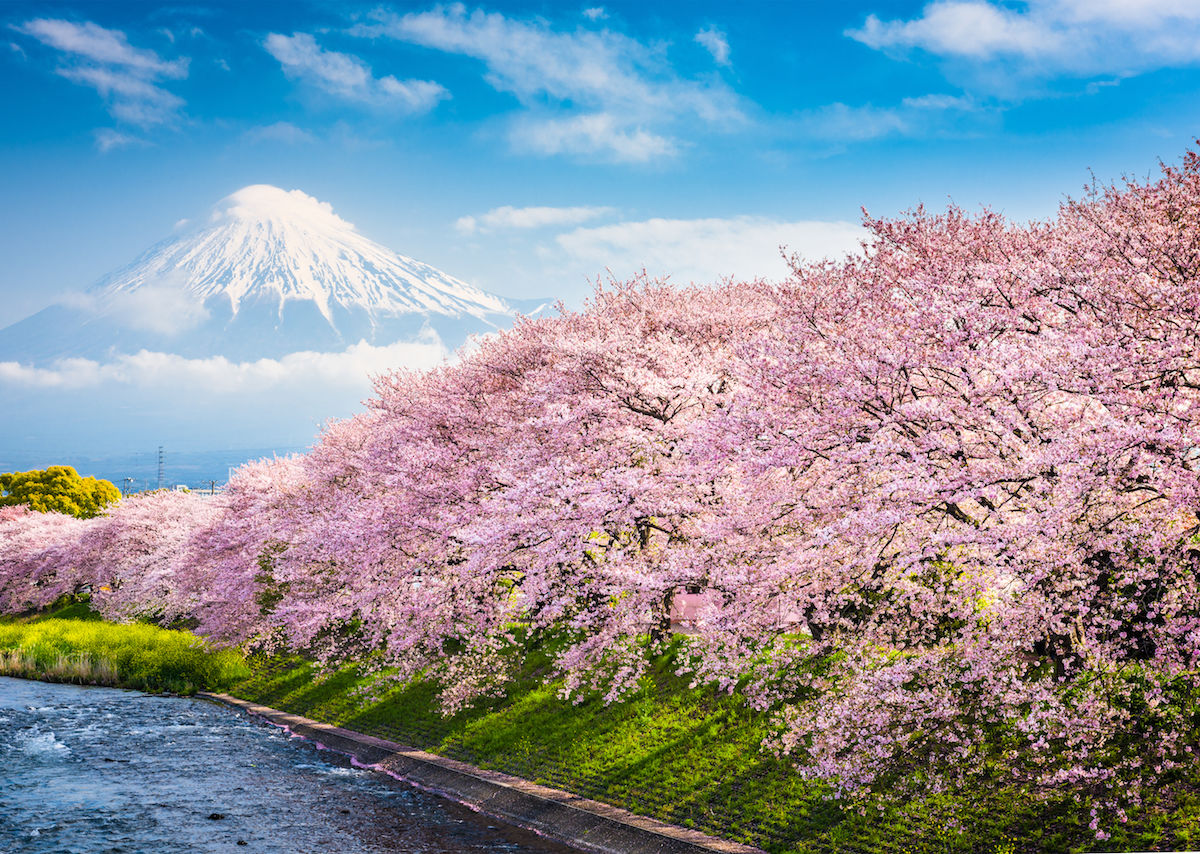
(601, 135)
(97, 44)
(705, 250)
(1077, 37)
(148, 399)
(927, 115)
(131, 99)
(531, 217)
(163, 307)
(347, 76)
(1150, 13)
(841, 122)
(108, 139)
(219, 375)
(284, 132)
(595, 13)
(954, 27)
(716, 43)
(939, 102)
(621, 97)
(127, 77)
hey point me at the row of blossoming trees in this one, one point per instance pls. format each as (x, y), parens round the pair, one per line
(937, 504)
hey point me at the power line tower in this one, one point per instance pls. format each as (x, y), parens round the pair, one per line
(162, 460)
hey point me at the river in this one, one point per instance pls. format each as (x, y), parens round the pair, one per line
(105, 770)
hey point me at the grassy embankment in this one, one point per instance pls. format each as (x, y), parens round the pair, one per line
(693, 757)
(71, 644)
(688, 756)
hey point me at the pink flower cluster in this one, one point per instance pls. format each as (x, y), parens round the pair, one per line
(937, 504)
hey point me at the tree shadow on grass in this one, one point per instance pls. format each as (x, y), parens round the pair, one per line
(688, 756)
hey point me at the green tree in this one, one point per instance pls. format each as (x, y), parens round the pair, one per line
(57, 488)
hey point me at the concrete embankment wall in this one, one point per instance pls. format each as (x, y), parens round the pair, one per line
(579, 822)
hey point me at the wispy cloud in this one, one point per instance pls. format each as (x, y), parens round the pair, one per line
(587, 92)
(164, 307)
(927, 115)
(705, 250)
(106, 47)
(217, 374)
(348, 76)
(526, 218)
(282, 132)
(939, 102)
(957, 28)
(127, 77)
(131, 98)
(595, 13)
(844, 123)
(602, 135)
(108, 139)
(1052, 37)
(715, 42)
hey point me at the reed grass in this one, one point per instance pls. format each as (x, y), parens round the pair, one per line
(133, 655)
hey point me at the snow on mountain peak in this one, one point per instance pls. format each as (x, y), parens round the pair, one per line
(266, 273)
(270, 246)
(259, 202)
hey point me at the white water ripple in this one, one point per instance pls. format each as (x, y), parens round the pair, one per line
(41, 745)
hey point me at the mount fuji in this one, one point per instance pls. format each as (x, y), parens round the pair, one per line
(269, 272)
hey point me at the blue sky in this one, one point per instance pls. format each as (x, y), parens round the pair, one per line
(529, 147)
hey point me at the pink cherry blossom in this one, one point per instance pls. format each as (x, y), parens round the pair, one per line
(935, 505)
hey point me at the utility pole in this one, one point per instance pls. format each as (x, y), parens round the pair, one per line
(162, 459)
(212, 486)
(128, 481)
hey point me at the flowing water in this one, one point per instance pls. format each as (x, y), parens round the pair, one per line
(104, 770)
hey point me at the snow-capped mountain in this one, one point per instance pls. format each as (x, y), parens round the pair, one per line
(268, 272)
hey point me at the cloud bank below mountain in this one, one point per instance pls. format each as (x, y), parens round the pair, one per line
(218, 374)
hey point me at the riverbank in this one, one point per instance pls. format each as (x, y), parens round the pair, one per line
(693, 757)
(69, 645)
(88, 769)
(583, 824)
(688, 756)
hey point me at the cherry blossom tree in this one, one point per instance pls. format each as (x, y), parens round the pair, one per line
(36, 566)
(970, 468)
(226, 577)
(936, 504)
(539, 485)
(131, 557)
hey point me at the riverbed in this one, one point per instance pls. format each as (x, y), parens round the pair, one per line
(93, 770)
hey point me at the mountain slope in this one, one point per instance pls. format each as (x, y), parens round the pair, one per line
(268, 273)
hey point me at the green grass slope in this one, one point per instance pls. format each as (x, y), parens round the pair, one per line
(73, 645)
(692, 757)
(689, 756)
